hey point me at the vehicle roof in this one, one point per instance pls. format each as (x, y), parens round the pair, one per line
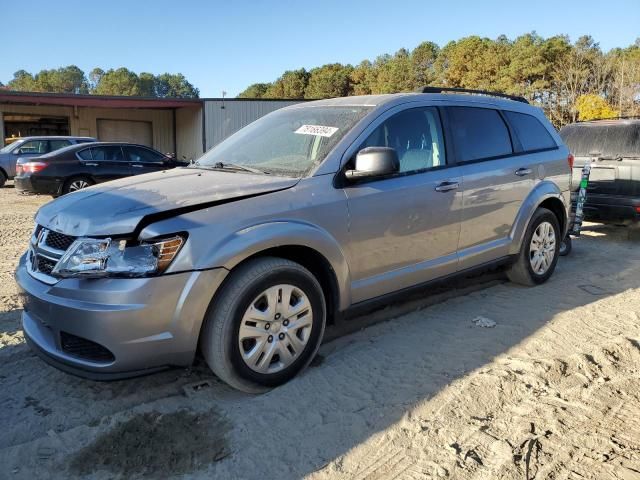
(398, 98)
(55, 137)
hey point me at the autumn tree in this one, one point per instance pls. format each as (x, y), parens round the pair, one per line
(593, 107)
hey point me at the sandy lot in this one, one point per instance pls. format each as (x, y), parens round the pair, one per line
(551, 391)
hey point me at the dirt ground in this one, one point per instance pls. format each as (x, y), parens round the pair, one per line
(486, 380)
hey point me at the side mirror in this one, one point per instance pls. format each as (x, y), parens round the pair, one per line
(374, 162)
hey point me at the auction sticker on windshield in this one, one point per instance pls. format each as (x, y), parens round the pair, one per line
(318, 130)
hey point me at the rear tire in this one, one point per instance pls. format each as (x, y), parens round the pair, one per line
(539, 251)
(76, 183)
(565, 246)
(3, 179)
(265, 325)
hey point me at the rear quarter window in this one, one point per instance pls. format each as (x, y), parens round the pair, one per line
(85, 154)
(478, 133)
(531, 133)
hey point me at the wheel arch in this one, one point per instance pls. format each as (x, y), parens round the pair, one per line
(309, 245)
(547, 195)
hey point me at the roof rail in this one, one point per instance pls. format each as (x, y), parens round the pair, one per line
(468, 90)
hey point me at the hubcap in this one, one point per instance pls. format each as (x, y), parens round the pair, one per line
(542, 248)
(275, 329)
(78, 185)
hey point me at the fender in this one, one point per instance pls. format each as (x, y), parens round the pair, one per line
(541, 192)
(234, 249)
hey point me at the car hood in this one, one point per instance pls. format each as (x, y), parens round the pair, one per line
(118, 207)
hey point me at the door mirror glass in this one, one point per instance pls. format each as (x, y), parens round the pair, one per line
(374, 162)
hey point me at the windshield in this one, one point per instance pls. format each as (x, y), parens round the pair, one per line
(288, 142)
(11, 146)
(607, 138)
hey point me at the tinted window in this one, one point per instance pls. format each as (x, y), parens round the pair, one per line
(531, 133)
(85, 154)
(110, 153)
(33, 146)
(416, 136)
(139, 154)
(58, 144)
(478, 133)
(84, 140)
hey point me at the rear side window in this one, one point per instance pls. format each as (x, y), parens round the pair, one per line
(58, 144)
(110, 153)
(85, 154)
(478, 133)
(531, 133)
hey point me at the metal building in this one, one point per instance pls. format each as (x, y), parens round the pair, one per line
(186, 127)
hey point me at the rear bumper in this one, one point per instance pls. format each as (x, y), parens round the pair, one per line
(611, 208)
(118, 327)
(34, 184)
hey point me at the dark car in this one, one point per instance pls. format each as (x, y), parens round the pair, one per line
(29, 147)
(613, 146)
(80, 166)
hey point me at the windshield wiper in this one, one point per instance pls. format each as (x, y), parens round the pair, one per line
(235, 166)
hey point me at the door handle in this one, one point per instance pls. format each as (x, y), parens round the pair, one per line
(137, 165)
(447, 186)
(91, 164)
(521, 172)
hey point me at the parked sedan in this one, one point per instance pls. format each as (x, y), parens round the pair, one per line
(29, 147)
(80, 166)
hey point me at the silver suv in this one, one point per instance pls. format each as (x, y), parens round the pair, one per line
(27, 147)
(286, 225)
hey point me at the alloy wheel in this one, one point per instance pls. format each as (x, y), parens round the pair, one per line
(78, 185)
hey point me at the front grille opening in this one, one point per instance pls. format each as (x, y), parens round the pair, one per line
(45, 265)
(86, 349)
(59, 241)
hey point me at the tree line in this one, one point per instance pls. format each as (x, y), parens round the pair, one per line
(570, 81)
(120, 81)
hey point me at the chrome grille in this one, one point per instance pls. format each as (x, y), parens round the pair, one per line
(45, 265)
(45, 249)
(59, 241)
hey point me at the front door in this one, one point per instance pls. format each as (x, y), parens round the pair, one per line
(143, 160)
(404, 228)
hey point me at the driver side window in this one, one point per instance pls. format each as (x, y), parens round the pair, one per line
(416, 135)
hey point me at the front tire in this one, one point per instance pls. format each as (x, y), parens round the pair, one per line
(539, 251)
(265, 325)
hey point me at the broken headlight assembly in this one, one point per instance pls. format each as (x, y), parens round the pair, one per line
(95, 258)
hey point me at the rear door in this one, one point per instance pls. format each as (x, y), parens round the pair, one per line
(495, 181)
(143, 160)
(108, 163)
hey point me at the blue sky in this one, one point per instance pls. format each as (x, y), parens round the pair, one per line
(229, 45)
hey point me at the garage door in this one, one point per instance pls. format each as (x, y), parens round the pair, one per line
(125, 131)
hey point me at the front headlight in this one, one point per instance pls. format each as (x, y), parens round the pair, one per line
(88, 257)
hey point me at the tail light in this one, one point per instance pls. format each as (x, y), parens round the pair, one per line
(570, 160)
(31, 167)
